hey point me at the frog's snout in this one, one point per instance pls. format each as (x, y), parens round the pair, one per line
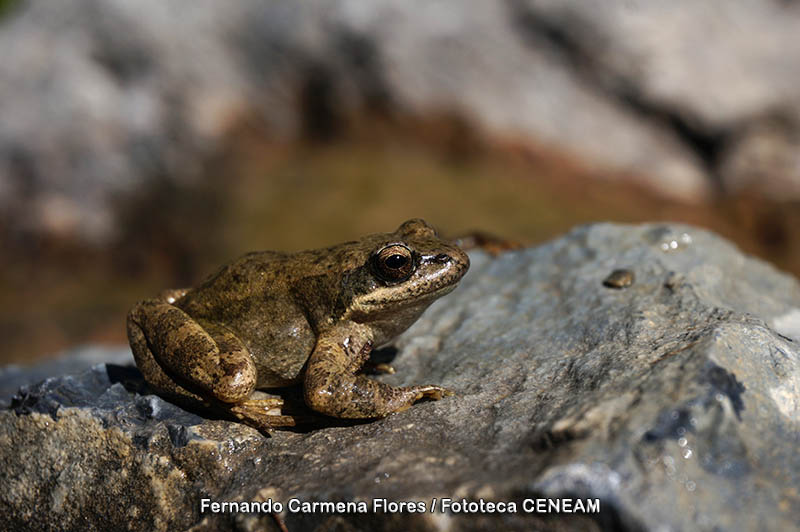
(459, 260)
(448, 266)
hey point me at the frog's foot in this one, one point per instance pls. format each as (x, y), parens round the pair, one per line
(430, 391)
(263, 414)
(433, 392)
(362, 398)
(371, 367)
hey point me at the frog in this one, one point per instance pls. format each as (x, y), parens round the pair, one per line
(312, 318)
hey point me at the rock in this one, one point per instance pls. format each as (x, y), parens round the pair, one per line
(684, 98)
(12, 377)
(716, 77)
(674, 400)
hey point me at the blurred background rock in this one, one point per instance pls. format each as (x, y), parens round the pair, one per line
(144, 143)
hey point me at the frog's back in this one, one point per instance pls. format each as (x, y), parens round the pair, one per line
(252, 297)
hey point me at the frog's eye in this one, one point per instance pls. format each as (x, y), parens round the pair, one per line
(394, 263)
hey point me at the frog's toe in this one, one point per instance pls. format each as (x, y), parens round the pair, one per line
(383, 368)
(260, 398)
(434, 392)
(270, 406)
(263, 414)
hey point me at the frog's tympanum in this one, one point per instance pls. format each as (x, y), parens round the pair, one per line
(273, 319)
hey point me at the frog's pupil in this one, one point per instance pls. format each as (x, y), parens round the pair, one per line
(395, 262)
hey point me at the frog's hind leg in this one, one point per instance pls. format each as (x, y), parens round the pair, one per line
(206, 359)
(153, 373)
(262, 412)
(199, 364)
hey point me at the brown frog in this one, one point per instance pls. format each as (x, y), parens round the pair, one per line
(274, 319)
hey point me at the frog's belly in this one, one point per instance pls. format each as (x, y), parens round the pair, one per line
(289, 375)
(280, 355)
(275, 332)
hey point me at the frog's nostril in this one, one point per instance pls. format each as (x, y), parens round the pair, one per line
(442, 258)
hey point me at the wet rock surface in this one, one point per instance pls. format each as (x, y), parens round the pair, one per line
(674, 399)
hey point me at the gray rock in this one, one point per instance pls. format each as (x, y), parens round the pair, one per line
(12, 377)
(674, 401)
(684, 97)
(716, 76)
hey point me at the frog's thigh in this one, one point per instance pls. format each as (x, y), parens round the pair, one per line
(207, 358)
(332, 387)
(153, 373)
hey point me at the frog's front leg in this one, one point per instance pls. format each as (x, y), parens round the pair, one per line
(332, 386)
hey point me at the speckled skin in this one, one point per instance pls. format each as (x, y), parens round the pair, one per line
(272, 319)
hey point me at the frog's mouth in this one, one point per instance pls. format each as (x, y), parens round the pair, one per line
(429, 297)
(442, 291)
(386, 303)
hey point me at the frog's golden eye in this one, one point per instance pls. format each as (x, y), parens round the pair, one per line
(394, 263)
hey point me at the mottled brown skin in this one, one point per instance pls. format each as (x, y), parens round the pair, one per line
(272, 319)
